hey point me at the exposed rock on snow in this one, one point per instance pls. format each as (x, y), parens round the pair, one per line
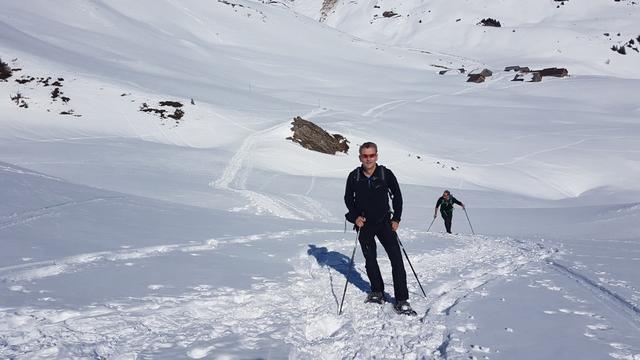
(490, 22)
(389, 14)
(631, 44)
(556, 72)
(537, 75)
(313, 137)
(327, 7)
(517, 68)
(174, 104)
(448, 69)
(476, 78)
(176, 115)
(249, 9)
(70, 112)
(19, 99)
(5, 70)
(44, 81)
(479, 77)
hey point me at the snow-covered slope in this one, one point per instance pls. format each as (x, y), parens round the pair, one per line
(253, 85)
(208, 234)
(577, 35)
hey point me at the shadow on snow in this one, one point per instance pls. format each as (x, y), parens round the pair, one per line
(340, 263)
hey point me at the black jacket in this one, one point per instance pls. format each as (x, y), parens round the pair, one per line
(369, 197)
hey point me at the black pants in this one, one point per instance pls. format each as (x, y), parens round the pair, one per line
(447, 220)
(390, 243)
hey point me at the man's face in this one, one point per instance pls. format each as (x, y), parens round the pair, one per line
(368, 157)
(445, 195)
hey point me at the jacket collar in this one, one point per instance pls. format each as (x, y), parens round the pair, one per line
(374, 175)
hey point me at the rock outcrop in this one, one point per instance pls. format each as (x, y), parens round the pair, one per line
(313, 137)
(5, 71)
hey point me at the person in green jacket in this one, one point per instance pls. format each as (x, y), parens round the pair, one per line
(445, 203)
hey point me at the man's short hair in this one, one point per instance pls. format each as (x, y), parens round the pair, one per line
(447, 192)
(368, 145)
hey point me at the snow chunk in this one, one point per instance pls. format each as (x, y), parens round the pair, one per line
(199, 353)
(322, 327)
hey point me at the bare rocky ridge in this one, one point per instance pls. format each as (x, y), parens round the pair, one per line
(313, 137)
(327, 7)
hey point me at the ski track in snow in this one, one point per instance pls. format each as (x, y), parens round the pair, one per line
(31, 215)
(27, 172)
(377, 111)
(598, 326)
(204, 321)
(261, 203)
(238, 169)
(623, 306)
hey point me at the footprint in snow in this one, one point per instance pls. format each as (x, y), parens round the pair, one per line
(483, 349)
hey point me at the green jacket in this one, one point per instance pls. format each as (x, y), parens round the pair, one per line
(446, 206)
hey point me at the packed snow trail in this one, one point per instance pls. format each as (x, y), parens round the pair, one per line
(296, 317)
(235, 174)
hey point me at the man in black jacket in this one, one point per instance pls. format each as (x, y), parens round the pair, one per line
(445, 202)
(367, 198)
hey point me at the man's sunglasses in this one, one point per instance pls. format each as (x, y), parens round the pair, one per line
(368, 156)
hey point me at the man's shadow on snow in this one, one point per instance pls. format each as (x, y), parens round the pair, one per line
(340, 263)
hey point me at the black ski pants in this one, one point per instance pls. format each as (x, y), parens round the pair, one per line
(447, 217)
(388, 239)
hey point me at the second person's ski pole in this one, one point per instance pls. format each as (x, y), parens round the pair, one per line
(465, 212)
(432, 221)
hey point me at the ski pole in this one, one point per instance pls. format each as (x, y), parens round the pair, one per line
(353, 254)
(432, 221)
(465, 212)
(409, 261)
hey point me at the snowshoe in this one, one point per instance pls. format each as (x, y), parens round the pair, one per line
(375, 297)
(403, 308)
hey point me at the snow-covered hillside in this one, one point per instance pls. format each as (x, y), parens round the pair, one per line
(152, 207)
(579, 35)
